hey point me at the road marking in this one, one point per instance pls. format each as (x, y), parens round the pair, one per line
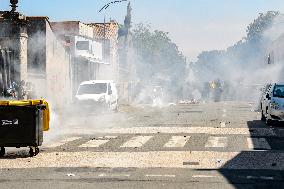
(132, 117)
(93, 143)
(260, 177)
(136, 142)
(258, 143)
(177, 142)
(113, 175)
(107, 137)
(97, 142)
(216, 142)
(266, 178)
(61, 142)
(184, 130)
(152, 159)
(160, 176)
(204, 176)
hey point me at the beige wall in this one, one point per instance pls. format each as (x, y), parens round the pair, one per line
(57, 70)
(49, 64)
(72, 28)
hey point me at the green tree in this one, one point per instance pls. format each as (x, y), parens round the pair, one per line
(160, 61)
(264, 21)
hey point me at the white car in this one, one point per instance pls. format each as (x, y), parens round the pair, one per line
(98, 94)
(272, 105)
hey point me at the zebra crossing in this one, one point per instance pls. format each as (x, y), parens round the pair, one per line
(159, 150)
(170, 142)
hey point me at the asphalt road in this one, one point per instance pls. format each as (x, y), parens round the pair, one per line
(207, 145)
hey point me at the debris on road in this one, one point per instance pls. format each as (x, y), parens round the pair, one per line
(218, 162)
(71, 175)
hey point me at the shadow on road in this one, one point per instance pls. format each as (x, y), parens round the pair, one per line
(262, 166)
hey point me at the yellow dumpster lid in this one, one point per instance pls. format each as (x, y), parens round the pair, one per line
(21, 102)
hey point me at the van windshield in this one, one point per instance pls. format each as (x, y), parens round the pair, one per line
(96, 88)
(278, 91)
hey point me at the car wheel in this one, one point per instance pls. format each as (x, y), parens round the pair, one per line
(116, 108)
(32, 152)
(2, 151)
(262, 116)
(269, 122)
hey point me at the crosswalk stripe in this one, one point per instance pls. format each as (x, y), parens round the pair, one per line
(93, 143)
(114, 175)
(107, 137)
(160, 175)
(61, 142)
(258, 143)
(177, 142)
(204, 176)
(216, 142)
(136, 142)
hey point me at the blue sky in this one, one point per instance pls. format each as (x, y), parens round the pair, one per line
(195, 25)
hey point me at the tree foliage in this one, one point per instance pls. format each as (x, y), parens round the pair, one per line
(264, 21)
(158, 55)
(155, 46)
(248, 52)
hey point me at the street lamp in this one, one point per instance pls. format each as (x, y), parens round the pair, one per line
(105, 7)
(13, 14)
(113, 2)
(14, 5)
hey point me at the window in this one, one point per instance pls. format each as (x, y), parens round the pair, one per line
(278, 91)
(96, 88)
(82, 45)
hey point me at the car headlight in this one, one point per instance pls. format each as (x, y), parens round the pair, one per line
(274, 105)
(102, 98)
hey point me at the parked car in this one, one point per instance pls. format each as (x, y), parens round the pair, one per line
(98, 94)
(272, 104)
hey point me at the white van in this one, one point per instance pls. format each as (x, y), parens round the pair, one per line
(98, 94)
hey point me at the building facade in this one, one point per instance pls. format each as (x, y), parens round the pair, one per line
(93, 50)
(37, 57)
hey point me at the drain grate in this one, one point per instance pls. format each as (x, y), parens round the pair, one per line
(190, 163)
